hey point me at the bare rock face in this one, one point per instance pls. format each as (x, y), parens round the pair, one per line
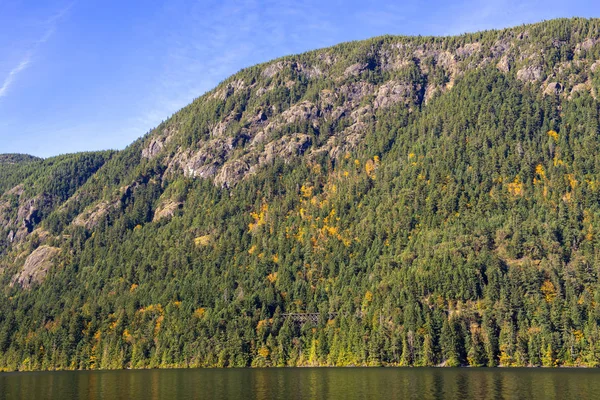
(154, 147)
(362, 114)
(430, 92)
(259, 118)
(468, 50)
(504, 64)
(580, 87)
(446, 60)
(309, 71)
(586, 45)
(166, 210)
(553, 89)
(220, 127)
(389, 62)
(240, 142)
(232, 172)
(29, 215)
(36, 266)
(286, 148)
(91, 217)
(500, 47)
(273, 69)
(327, 58)
(157, 143)
(260, 91)
(17, 190)
(529, 74)
(355, 69)
(391, 93)
(204, 162)
(304, 111)
(338, 145)
(228, 90)
(355, 92)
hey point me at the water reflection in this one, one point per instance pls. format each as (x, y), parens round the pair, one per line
(309, 383)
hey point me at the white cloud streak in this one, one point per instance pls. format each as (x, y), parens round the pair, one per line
(13, 74)
(26, 61)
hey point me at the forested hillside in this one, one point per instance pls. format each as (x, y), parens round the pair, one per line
(429, 200)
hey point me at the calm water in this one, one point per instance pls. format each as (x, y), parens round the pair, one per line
(305, 383)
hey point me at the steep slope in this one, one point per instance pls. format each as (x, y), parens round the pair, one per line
(32, 188)
(428, 200)
(14, 169)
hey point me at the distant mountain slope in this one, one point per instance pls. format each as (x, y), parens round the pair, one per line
(16, 158)
(34, 188)
(14, 169)
(419, 201)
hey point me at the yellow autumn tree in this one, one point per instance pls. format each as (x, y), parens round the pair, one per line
(515, 187)
(306, 191)
(202, 240)
(199, 312)
(549, 291)
(554, 135)
(369, 168)
(258, 217)
(263, 352)
(539, 169)
(272, 277)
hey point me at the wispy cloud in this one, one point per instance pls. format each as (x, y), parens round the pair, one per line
(51, 24)
(208, 47)
(13, 74)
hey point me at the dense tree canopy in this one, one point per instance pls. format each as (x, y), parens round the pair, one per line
(463, 228)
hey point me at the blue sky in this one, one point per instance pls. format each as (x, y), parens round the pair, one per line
(97, 74)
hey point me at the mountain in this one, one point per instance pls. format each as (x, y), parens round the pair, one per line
(17, 158)
(394, 201)
(12, 171)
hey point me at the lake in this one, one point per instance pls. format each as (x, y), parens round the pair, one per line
(305, 383)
